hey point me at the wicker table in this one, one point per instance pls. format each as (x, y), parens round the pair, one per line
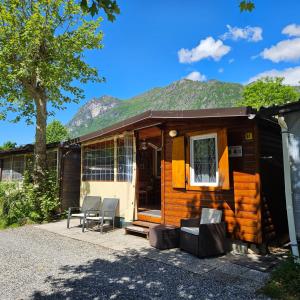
(164, 237)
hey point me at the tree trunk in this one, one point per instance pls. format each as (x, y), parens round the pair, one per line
(40, 139)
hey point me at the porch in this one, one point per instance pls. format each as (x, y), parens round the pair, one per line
(244, 267)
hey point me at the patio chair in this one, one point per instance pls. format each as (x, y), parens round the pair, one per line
(204, 237)
(90, 203)
(107, 212)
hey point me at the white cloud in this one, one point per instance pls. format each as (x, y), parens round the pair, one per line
(196, 76)
(291, 30)
(231, 60)
(291, 75)
(221, 70)
(206, 48)
(287, 50)
(251, 34)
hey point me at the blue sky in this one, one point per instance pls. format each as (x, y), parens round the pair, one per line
(153, 43)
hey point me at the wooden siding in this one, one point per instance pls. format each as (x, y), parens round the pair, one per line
(70, 178)
(274, 217)
(240, 203)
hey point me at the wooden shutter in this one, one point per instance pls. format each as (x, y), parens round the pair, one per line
(224, 182)
(178, 162)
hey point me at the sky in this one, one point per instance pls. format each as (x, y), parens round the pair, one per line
(153, 43)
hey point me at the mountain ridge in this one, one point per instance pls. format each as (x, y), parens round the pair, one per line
(183, 94)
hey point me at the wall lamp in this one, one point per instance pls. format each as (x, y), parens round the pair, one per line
(173, 133)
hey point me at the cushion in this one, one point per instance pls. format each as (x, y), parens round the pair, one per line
(191, 230)
(210, 216)
(79, 215)
(98, 218)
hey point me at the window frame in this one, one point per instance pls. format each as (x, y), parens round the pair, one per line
(116, 174)
(123, 176)
(88, 147)
(213, 135)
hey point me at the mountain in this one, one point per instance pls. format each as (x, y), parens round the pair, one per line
(93, 109)
(179, 95)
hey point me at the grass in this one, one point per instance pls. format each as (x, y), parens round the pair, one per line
(284, 282)
(4, 225)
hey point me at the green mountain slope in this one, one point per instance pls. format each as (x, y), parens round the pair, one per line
(180, 95)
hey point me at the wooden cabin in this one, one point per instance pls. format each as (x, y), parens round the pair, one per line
(62, 158)
(166, 165)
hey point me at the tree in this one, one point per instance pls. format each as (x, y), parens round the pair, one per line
(268, 91)
(93, 7)
(56, 132)
(42, 44)
(246, 5)
(8, 145)
(111, 8)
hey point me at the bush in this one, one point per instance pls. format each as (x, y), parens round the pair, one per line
(26, 202)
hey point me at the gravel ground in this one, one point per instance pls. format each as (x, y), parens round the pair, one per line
(36, 264)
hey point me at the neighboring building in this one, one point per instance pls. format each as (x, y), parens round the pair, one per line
(167, 165)
(288, 116)
(64, 159)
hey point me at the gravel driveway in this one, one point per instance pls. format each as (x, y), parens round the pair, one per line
(36, 264)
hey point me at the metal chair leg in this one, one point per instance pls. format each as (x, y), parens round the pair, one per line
(69, 217)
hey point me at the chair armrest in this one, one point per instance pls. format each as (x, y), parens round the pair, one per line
(71, 209)
(213, 227)
(193, 222)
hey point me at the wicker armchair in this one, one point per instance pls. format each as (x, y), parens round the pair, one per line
(203, 239)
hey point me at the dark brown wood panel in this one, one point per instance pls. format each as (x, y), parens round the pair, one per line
(70, 178)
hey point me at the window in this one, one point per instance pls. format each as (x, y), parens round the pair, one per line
(52, 160)
(17, 168)
(6, 169)
(124, 158)
(13, 168)
(98, 161)
(204, 160)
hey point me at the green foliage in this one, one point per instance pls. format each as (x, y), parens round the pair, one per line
(268, 91)
(41, 53)
(26, 202)
(284, 282)
(246, 5)
(56, 132)
(8, 145)
(110, 7)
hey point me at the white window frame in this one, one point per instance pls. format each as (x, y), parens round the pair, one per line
(192, 173)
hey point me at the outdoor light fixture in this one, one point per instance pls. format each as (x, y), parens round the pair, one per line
(144, 145)
(173, 133)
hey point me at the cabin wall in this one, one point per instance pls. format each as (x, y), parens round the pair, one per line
(274, 217)
(240, 204)
(124, 191)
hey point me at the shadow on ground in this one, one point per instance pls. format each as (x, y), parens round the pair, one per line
(131, 276)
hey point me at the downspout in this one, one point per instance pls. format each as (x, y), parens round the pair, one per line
(288, 189)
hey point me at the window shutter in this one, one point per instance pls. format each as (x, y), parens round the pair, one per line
(178, 162)
(224, 181)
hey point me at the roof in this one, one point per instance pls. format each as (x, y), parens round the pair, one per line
(280, 109)
(26, 149)
(153, 117)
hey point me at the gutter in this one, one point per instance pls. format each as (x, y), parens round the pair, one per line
(288, 189)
